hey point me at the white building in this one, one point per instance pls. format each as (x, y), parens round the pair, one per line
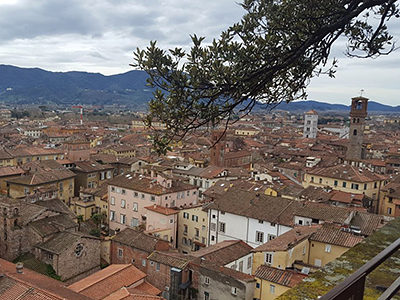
(250, 217)
(310, 124)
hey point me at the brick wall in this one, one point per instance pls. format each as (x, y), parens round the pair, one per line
(128, 255)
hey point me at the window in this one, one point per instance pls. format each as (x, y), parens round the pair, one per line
(152, 198)
(207, 280)
(354, 186)
(195, 218)
(389, 210)
(120, 252)
(135, 194)
(118, 190)
(320, 180)
(375, 185)
(304, 250)
(365, 186)
(112, 215)
(122, 219)
(26, 191)
(260, 221)
(135, 206)
(328, 248)
(123, 192)
(143, 262)
(312, 179)
(259, 236)
(184, 241)
(221, 227)
(271, 289)
(257, 285)
(123, 203)
(142, 196)
(335, 183)
(300, 222)
(108, 174)
(157, 266)
(355, 132)
(249, 262)
(197, 232)
(186, 215)
(317, 262)
(241, 266)
(134, 222)
(271, 237)
(212, 238)
(213, 226)
(185, 229)
(234, 291)
(268, 258)
(390, 199)
(206, 296)
(171, 221)
(344, 184)
(213, 216)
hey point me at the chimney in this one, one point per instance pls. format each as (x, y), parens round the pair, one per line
(20, 267)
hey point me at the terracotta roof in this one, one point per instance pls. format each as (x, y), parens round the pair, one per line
(43, 177)
(256, 205)
(334, 235)
(11, 171)
(147, 185)
(287, 278)
(162, 210)
(288, 240)
(224, 252)
(107, 281)
(137, 239)
(347, 172)
(324, 212)
(170, 259)
(90, 166)
(30, 285)
(311, 112)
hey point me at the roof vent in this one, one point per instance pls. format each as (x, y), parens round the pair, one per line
(20, 267)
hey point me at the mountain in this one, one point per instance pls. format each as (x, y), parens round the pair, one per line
(37, 86)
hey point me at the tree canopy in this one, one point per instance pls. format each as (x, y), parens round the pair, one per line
(268, 57)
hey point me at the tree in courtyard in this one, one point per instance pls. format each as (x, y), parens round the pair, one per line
(268, 57)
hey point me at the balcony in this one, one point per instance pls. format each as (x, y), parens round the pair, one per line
(370, 270)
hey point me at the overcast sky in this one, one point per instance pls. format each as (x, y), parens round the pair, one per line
(101, 35)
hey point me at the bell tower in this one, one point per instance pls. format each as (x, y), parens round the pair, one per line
(358, 113)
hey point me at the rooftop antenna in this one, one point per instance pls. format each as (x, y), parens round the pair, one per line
(361, 92)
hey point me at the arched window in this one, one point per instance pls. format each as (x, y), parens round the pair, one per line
(354, 120)
(359, 105)
(355, 132)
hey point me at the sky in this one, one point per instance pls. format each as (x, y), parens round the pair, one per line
(101, 35)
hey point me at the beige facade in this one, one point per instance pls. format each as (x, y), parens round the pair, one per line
(267, 290)
(321, 253)
(192, 229)
(369, 188)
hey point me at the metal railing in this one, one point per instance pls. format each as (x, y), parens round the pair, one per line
(352, 288)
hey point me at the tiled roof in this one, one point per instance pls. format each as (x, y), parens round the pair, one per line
(50, 225)
(288, 240)
(90, 166)
(137, 239)
(347, 172)
(256, 205)
(11, 171)
(170, 259)
(287, 278)
(224, 252)
(147, 185)
(32, 286)
(334, 235)
(162, 210)
(43, 177)
(107, 281)
(323, 212)
(62, 241)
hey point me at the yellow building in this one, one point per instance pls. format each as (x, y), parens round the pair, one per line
(272, 282)
(305, 248)
(346, 178)
(246, 132)
(389, 198)
(192, 229)
(60, 180)
(121, 151)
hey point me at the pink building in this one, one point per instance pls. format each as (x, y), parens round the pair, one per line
(162, 222)
(129, 194)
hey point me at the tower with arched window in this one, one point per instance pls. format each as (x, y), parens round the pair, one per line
(358, 113)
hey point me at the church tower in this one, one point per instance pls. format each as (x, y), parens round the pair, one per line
(218, 149)
(358, 113)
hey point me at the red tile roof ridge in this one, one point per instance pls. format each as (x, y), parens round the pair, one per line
(116, 268)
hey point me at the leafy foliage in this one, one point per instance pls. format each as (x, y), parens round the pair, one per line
(268, 57)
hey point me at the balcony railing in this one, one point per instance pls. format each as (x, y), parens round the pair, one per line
(352, 288)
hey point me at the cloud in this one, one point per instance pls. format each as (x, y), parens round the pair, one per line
(101, 35)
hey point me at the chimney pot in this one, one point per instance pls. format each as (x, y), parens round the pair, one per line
(20, 267)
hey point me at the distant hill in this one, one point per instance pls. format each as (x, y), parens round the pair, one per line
(37, 86)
